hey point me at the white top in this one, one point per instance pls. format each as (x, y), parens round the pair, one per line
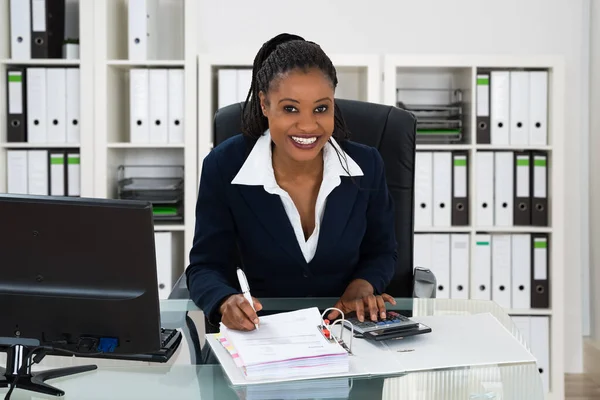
(258, 171)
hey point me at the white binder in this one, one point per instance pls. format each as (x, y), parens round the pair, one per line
(143, 29)
(244, 81)
(440, 264)
(164, 263)
(501, 270)
(422, 250)
(139, 106)
(176, 105)
(540, 347)
(227, 87)
(423, 189)
(73, 174)
(158, 114)
(57, 174)
(20, 29)
(459, 266)
(37, 172)
(73, 106)
(56, 102)
(500, 104)
(484, 188)
(538, 108)
(442, 188)
(36, 105)
(522, 323)
(16, 162)
(503, 188)
(521, 271)
(481, 272)
(519, 108)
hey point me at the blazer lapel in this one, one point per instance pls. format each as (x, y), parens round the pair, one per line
(269, 211)
(338, 210)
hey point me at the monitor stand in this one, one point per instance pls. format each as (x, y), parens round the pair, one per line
(34, 381)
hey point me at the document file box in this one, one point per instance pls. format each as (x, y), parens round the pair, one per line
(20, 29)
(442, 185)
(37, 172)
(56, 105)
(73, 105)
(481, 271)
(503, 188)
(540, 288)
(16, 130)
(423, 189)
(521, 271)
(47, 28)
(139, 105)
(501, 270)
(440, 263)
(17, 175)
(500, 105)
(522, 202)
(176, 105)
(143, 29)
(36, 105)
(538, 108)
(73, 174)
(164, 262)
(460, 188)
(159, 102)
(484, 187)
(539, 181)
(459, 266)
(422, 251)
(535, 331)
(519, 108)
(57, 173)
(483, 107)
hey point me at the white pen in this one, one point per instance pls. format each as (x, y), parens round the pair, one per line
(245, 289)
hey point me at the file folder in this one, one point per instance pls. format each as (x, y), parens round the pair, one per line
(483, 107)
(442, 188)
(176, 105)
(73, 105)
(36, 105)
(500, 105)
(440, 264)
(422, 247)
(484, 186)
(503, 188)
(539, 181)
(244, 81)
(57, 173)
(227, 87)
(522, 202)
(16, 162)
(540, 347)
(540, 287)
(522, 323)
(47, 28)
(519, 108)
(459, 266)
(158, 92)
(20, 29)
(521, 271)
(481, 272)
(423, 189)
(164, 264)
(73, 174)
(143, 29)
(538, 108)
(501, 270)
(56, 103)
(16, 105)
(37, 172)
(139, 105)
(460, 188)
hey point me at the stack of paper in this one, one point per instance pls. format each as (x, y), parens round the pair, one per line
(286, 346)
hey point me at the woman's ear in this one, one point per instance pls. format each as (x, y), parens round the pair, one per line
(263, 103)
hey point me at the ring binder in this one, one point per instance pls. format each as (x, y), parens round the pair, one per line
(342, 321)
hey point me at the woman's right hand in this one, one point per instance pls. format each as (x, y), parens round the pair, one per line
(237, 313)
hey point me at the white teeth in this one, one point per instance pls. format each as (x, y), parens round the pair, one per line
(302, 140)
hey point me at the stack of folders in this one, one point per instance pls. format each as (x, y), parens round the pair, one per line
(43, 105)
(233, 85)
(157, 105)
(287, 346)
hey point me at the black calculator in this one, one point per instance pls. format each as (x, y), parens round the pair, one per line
(394, 326)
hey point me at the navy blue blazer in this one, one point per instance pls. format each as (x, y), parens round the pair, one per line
(356, 240)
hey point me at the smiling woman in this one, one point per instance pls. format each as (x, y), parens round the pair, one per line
(305, 211)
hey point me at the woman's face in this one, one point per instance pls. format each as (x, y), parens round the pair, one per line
(299, 107)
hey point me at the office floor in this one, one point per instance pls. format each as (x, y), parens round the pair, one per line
(585, 386)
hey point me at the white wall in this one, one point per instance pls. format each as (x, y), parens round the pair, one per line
(433, 26)
(594, 165)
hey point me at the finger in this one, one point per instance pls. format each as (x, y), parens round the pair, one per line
(257, 305)
(234, 318)
(360, 310)
(372, 304)
(248, 311)
(388, 298)
(335, 313)
(381, 306)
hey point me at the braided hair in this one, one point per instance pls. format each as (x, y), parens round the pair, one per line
(283, 53)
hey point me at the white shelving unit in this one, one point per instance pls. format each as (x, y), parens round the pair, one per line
(435, 71)
(113, 147)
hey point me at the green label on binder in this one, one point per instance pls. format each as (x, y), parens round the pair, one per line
(73, 160)
(55, 160)
(540, 244)
(164, 210)
(483, 81)
(15, 77)
(460, 162)
(522, 161)
(483, 243)
(539, 162)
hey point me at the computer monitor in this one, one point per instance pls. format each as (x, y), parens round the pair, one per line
(78, 274)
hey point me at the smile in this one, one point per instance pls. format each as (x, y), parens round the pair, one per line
(304, 140)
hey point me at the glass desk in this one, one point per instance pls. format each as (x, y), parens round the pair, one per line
(183, 378)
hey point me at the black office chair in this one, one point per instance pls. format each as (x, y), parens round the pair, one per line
(392, 131)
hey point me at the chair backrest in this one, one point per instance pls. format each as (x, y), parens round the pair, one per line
(390, 130)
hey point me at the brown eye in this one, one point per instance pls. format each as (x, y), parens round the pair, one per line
(321, 109)
(290, 109)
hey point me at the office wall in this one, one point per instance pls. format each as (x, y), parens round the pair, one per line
(594, 166)
(435, 27)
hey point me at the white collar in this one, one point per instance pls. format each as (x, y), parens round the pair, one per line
(258, 168)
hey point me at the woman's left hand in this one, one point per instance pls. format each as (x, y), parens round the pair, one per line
(359, 297)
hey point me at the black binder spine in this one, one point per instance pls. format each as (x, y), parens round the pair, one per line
(522, 188)
(460, 188)
(47, 28)
(539, 188)
(16, 104)
(540, 286)
(483, 110)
